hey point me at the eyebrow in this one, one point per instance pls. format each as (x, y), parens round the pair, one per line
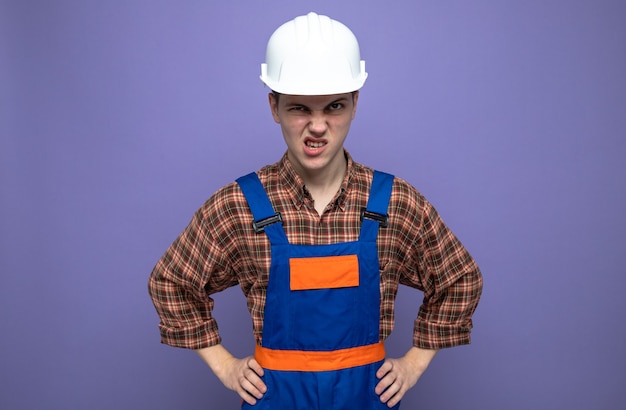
(338, 100)
(297, 104)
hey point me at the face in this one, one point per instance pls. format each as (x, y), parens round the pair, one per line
(315, 128)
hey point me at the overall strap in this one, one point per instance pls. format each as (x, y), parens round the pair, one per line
(375, 214)
(265, 218)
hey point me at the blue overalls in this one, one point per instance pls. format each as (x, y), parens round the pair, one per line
(320, 346)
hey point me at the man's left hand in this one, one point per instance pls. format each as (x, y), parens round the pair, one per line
(397, 376)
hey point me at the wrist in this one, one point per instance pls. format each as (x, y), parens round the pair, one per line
(420, 358)
(215, 357)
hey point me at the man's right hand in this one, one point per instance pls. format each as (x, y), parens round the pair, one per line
(240, 375)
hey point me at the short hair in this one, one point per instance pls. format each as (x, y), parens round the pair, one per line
(276, 95)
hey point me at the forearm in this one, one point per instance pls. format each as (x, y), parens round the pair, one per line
(216, 357)
(419, 358)
(240, 375)
(397, 376)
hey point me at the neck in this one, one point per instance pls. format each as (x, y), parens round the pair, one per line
(324, 184)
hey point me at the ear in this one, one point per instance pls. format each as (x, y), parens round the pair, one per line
(273, 107)
(355, 99)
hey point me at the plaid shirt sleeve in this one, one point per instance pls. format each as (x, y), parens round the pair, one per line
(443, 269)
(195, 262)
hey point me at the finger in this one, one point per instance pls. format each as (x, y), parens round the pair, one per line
(249, 393)
(384, 369)
(252, 383)
(396, 398)
(394, 393)
(250, 388)
(385, 383)
(255, 366)
(254, 373)
(390, 392)
(247, 397)
(255, 381)
(382, 386)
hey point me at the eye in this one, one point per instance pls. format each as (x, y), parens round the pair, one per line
(298, 108)
(335, 106)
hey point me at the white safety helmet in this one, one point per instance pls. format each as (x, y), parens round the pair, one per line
(313, 55)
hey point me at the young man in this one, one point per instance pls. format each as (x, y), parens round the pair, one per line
(319, 244)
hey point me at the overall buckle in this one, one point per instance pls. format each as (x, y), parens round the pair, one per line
(259, 226)
(382, 219)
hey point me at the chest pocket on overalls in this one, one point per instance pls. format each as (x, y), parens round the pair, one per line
(325, 293)
(326, 272)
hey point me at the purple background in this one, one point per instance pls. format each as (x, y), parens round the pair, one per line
(119, 118)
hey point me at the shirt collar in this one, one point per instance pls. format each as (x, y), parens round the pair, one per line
(294, 186)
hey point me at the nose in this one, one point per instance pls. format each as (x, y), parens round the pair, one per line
(318, 124)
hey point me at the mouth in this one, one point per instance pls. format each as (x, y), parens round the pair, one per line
(314, 144)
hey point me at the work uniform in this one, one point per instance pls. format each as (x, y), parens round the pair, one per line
(321, 343)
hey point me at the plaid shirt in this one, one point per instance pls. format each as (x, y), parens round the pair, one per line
(219, 249)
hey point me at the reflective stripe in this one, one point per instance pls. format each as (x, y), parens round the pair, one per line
(326, 272)
(317, 361)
